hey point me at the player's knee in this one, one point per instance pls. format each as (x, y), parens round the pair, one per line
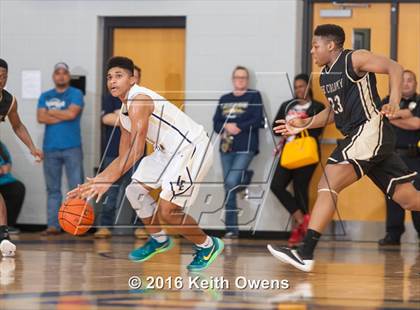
(140, 200)
(324, 187)
(165, 212)
(407, 196)
(132, 192)
(328, 186)
(323, 182)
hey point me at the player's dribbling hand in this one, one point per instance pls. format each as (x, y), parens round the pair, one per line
(389, 110)
(97, 188)
(74, 193)
(289, 128)
(90, 189)
(82, 191)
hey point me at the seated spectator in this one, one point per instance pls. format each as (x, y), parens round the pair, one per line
(238, 118)
(115, 195)
(12, 190)
(60, 110)
(302, 105)
(406, 125)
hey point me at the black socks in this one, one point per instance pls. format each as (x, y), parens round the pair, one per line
(4, 233)
(306, 250)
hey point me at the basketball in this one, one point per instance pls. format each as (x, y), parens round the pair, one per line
(76, 216)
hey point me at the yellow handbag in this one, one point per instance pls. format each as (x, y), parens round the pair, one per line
(300, 152)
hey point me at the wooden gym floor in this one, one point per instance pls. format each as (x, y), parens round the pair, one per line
(65, 272)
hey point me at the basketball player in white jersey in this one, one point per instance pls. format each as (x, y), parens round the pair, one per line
(8, 109)
(182, 156)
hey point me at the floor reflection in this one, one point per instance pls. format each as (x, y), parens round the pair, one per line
(65, 273)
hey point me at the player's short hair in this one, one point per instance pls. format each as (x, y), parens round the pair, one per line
(138, 69)
(331, 32)
(412, 73)
(120, 62)
(3, 64)
(240, 68)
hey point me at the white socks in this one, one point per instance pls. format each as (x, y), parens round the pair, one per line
(160, 236)
(207, 243)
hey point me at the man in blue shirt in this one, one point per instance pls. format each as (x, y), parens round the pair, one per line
(60, 110)
(238, 118)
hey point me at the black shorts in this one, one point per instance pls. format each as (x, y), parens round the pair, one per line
(371, 152)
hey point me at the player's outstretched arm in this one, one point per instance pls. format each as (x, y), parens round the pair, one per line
(23, 134)
(323, 118)
(131, 149)
(132, 143)
(297, 125)
(365, 61)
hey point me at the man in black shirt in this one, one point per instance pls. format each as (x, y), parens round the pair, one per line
(407, 129)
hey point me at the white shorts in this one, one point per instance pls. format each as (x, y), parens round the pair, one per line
(180, 174)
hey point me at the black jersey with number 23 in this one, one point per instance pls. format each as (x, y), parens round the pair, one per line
(354, 99)
(369, 140)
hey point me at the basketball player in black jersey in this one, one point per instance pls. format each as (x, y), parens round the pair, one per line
(348, 81)
(8, 108)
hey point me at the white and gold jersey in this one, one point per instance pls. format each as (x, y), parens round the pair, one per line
(170, 129)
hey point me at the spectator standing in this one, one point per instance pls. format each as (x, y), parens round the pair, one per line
(406, 125)
(238, 118)
(60, 110)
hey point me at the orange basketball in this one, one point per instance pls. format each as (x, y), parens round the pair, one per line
(76, 216)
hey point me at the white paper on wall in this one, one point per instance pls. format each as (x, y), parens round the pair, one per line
(31, 84)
